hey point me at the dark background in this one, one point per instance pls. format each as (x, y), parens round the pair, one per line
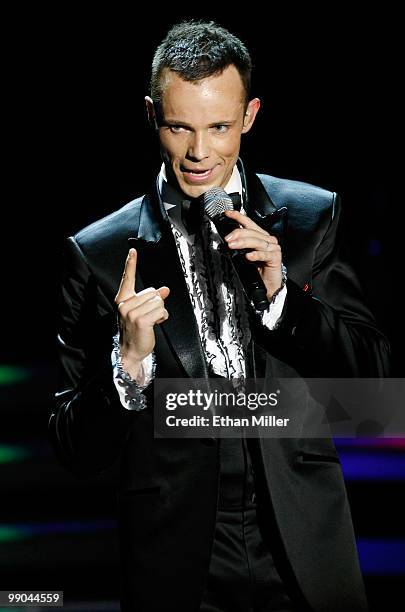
(329, 85)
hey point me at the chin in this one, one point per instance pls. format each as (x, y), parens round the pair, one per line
(194, 191)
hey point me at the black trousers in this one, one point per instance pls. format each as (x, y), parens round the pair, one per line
(242, 575)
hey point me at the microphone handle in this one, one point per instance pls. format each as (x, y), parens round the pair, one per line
(246, 270)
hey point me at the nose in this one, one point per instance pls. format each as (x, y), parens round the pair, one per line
(198, 148)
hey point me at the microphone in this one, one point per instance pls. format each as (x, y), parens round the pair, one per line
(216, 202)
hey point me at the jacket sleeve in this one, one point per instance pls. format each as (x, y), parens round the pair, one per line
(328, 331)
(88, 425)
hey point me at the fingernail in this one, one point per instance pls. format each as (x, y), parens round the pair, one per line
(131, 252)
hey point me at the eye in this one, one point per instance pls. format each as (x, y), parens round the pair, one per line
(220, 128)
(177, 129)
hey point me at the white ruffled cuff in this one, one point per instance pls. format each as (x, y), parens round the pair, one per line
(130, 391)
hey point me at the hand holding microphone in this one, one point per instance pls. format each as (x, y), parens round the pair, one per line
(255, 254)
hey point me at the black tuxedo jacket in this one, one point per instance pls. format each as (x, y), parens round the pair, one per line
(168, 487)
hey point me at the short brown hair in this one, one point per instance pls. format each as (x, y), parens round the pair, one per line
(196, 50)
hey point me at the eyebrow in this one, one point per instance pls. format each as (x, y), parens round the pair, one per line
(185, 124)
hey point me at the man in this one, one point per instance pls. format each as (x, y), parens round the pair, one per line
(213, 525)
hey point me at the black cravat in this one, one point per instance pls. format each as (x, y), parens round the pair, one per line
(236, 200)
(188, 212)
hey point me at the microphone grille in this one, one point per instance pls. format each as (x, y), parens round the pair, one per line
(216, 202)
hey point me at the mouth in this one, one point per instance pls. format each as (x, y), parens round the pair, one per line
(196, 175)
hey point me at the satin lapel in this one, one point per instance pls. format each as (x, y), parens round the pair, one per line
(158, 265)
(258, 202)
(260, 207)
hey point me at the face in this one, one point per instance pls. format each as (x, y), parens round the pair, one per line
(201, 128)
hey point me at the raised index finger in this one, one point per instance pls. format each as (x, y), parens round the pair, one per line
(127, 285)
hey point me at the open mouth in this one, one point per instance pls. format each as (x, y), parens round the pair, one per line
(196, 175)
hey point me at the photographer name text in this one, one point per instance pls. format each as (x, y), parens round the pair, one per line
(217, 420)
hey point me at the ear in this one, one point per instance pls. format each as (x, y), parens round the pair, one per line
(150, 109)
(250, 114)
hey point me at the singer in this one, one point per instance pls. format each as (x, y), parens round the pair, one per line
(224, 525)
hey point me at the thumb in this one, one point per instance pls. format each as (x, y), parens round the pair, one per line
(163, 292)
